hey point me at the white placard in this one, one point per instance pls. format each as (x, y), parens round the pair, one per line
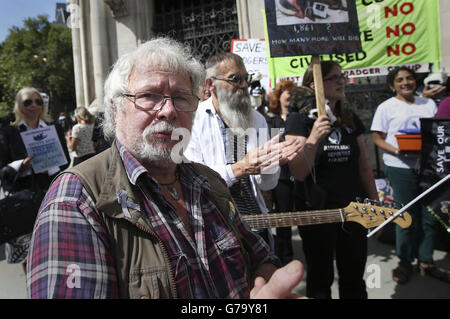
(43, 143)
(254, 54)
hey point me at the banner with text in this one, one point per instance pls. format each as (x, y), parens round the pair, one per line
(312, 27)
(254, 54)
(392, 32)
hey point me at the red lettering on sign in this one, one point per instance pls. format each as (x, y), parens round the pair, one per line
(406, 49)
(405, 8)
(407, 29)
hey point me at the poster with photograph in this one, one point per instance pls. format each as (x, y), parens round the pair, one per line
(392, 32)
(305, 27)
(43, 143)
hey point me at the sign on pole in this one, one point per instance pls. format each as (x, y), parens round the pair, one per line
(392, 32)
(312, 27)
(298, 27)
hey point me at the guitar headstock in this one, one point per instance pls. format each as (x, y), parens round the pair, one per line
(370, 215)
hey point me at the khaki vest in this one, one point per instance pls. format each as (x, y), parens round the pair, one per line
(141, 260)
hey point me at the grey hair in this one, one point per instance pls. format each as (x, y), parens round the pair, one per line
(213, 62)
(165, 53)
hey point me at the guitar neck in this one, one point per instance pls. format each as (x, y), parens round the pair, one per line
(294, 218)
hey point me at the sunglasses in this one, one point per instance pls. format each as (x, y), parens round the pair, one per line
(28, 102)
(336, 78)
(235, 79)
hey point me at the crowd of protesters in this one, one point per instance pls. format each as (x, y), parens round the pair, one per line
(184, 154)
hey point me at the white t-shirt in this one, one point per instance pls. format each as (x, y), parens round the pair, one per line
(394, 115)
(83, 132)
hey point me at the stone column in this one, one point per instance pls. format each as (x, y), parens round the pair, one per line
(99, 41)
(84, 45)
(243, 21)
(74, 25)
(250, 19)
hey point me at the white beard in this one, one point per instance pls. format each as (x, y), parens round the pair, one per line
(147, 149)
(235, 108)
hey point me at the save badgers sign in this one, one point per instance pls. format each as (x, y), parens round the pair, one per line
(434, 166)
(435, 162)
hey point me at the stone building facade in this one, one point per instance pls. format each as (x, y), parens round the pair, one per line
(102, 30)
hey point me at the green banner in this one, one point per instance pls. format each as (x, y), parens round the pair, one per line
(393, 32)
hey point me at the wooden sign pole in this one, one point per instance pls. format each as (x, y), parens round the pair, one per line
(318, 85)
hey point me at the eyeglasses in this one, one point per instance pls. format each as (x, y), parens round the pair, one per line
(148, 101)
(235, 79)
(336, 78)
(28, 102)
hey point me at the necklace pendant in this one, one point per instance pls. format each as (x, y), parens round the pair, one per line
(173, 192)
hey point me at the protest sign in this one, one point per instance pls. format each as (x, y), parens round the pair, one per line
(298, 27)
(392, 32)
(254, 54)
(43, 143)
(311, 27)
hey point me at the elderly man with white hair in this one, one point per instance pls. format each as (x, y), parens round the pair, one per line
(133, 222)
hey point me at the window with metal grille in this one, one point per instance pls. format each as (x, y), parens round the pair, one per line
(208, 26)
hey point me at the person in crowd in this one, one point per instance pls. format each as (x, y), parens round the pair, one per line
(29, 114)
(65, 122)
(444, 108)
(7, 119)
(137, 222)
(80, 139)
(257, 93)
(436, 87)
(398, 114)
(335, 171)
(231, 137)
(98, 138)
(283, 194)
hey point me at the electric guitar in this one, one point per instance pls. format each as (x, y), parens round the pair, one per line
(367, 215)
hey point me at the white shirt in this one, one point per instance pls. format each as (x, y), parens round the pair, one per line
(206, 146)
(83, 132)
(394, 115)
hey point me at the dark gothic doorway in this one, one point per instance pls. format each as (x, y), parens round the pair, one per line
(208, 26)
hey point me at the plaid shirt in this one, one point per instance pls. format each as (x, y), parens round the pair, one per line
(70, 256)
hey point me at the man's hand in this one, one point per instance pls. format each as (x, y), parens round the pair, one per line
(433, 93)
(262, 158)
(26, 164)
(281, 284)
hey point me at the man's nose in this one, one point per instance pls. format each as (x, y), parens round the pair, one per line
(167, 110)
(243, 84)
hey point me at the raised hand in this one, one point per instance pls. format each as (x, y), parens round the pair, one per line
(320, 129)
(281, 284)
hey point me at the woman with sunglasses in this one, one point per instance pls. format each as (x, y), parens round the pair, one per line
(402, 113)
(30, 114)
(334, 170)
